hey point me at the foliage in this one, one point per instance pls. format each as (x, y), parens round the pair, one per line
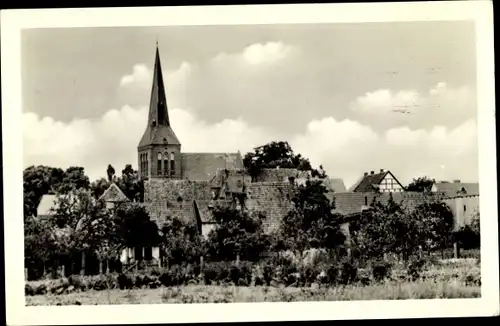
(136, 228)
(311, 223)
(236, 232)
(110, 172)
(274, 154)
(421, 184)
(401, 230)
(181, 242)
(469, 236)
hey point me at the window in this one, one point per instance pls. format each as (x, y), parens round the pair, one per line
(172, 164)
(165, 164)
(158, 167)
(465, 208)
(148, 253)
(366, 201)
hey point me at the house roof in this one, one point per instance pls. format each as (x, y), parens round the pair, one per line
(204, 166)
(366, 183)
(114, 194)
(335, 185)
(453, 189)
(47, 203)
(353, 202)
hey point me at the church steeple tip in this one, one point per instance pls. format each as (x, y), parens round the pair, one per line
(158, 110)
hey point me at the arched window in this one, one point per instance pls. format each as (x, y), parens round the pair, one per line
(158, 167)
(146, 164)
(172, 164)
(165, 164)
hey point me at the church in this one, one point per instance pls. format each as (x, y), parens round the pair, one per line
(189, 186)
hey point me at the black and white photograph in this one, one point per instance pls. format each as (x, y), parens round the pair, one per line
(185, 159)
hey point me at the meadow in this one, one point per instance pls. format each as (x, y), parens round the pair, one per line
(448, 278)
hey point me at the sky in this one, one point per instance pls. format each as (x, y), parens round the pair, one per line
(352, 97)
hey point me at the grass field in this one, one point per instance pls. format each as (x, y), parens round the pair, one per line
(215, 294)
(450, 278)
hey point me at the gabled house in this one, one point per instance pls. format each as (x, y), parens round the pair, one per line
(384, 181)
(113, 195)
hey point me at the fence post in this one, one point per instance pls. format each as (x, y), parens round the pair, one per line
(456, 250)
(100, 267)
(25, 274)
(63, 271)
(82, 271)
(420, 252)
(201, 264)
(237, 259)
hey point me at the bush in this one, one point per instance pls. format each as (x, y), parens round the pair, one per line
(415, 269)
(29, 290)
(125, 282)
(381, 270)
(348, 273)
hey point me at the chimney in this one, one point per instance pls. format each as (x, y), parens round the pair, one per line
(381, 170)
(372, 172)
(456, 181)
(366, 173)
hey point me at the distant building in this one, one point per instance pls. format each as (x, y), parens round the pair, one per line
(384, 181)
(455, 188)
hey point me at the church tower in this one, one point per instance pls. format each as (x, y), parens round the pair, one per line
(159, 151)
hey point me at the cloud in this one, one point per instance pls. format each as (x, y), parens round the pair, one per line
(265, 53)
(242, 100)
(140, 77)
(345, 148)
(441, 104)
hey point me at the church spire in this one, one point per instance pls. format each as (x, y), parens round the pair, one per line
(158, 110)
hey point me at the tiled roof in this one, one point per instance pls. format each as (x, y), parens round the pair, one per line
(280, 175)
(114, 194)
(47, 203)
(353, 202)
(366, 184)
(453, 189)
(335, 185)
(158, 135)
(203, 166)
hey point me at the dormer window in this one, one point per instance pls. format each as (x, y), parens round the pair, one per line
(153, 123)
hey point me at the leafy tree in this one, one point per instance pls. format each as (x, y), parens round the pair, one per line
(38, 181)
(130, 184)
(110, 172)
(438, 220)
(469, 236)
(423, 184)
(181, 242)
(311, 223)
(99, 186)
(137, 229)
(236, 232)
(273, 154)
(74, 179)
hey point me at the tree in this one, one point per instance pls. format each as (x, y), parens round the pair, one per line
(130, 184)
(236, 232)
(181, 242)
(438, 220)
(311, 223)
(422, 184)
(74, 179)
(274, 154)
(110, 172)
(38, 181)
(137, 229)
(98, 187)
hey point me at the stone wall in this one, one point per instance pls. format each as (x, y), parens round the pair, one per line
(273, 199)
(464, 208)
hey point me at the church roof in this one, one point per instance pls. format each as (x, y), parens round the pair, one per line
(114, 194)
(204, 166)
